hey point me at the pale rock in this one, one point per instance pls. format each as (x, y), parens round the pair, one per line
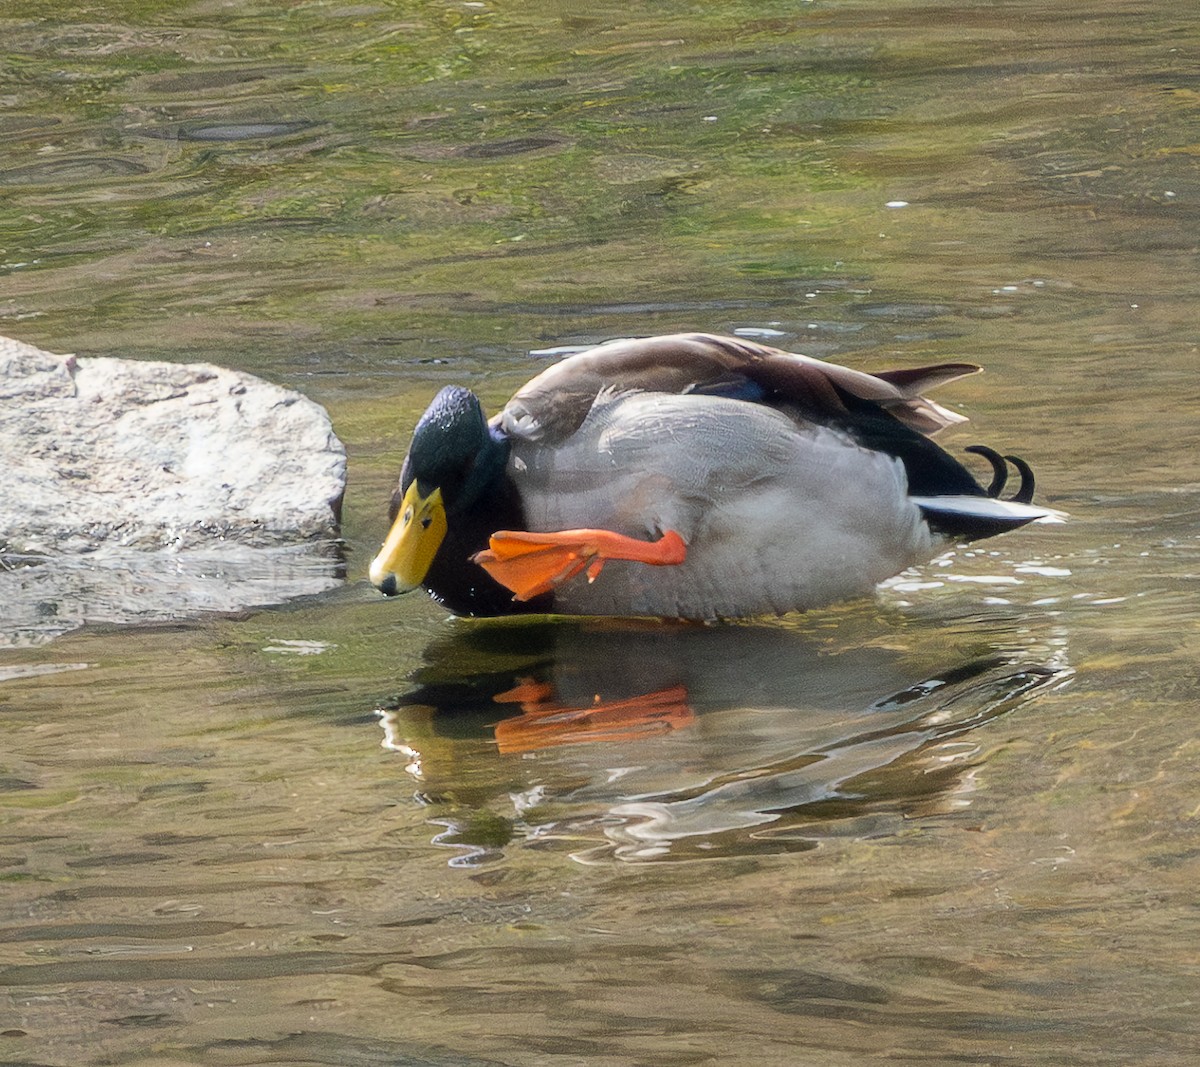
(134, 490)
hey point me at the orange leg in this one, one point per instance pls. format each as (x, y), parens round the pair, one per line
(534, 563)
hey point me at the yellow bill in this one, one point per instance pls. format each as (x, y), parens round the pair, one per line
(411, 544)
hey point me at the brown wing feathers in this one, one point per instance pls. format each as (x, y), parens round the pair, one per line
(554, 404)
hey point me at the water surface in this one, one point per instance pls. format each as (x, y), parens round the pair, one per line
(952, 824)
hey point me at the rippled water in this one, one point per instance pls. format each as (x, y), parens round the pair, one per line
(953, 824)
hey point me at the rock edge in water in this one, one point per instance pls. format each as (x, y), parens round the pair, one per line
(120, 476)
(158, 454)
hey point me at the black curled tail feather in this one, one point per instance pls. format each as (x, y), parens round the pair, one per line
(968, 518)
(999, 468)
(999, 464)
(1024, 495)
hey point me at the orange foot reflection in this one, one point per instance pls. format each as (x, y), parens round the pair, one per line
(533, 563)
(544, 723)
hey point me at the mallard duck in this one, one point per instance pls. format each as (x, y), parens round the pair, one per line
(688, 476)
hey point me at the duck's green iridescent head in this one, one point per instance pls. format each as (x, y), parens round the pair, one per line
(453, 457)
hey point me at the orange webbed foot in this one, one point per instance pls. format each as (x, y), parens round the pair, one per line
(533, 563)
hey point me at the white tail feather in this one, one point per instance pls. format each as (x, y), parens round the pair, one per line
(986, 507)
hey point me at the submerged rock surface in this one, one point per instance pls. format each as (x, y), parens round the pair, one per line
(134, 490)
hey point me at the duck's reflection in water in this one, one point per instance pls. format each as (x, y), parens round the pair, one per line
(652, 741)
